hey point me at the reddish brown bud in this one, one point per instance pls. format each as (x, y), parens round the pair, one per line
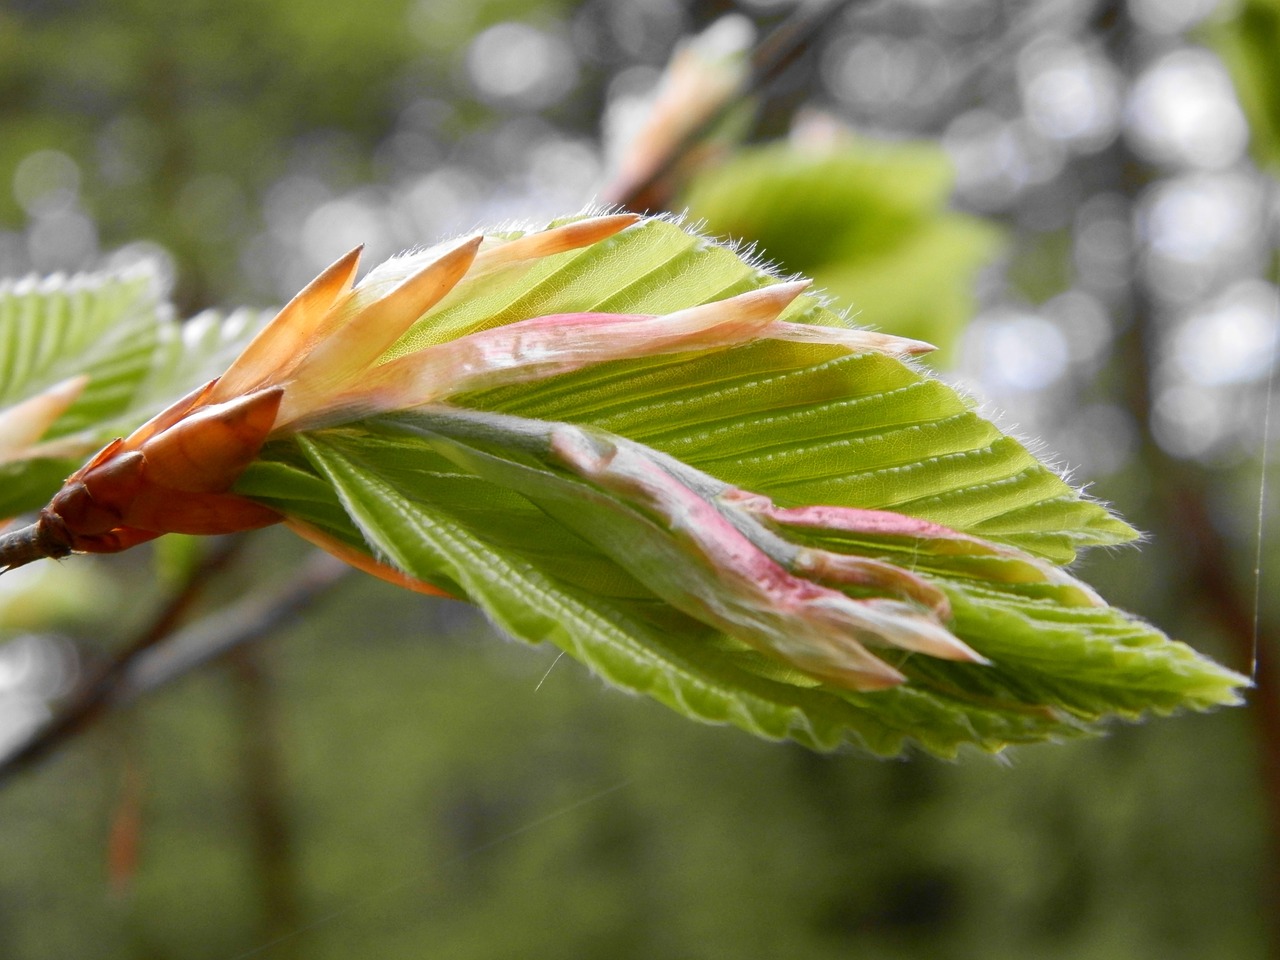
(207, 450)
(97, 498)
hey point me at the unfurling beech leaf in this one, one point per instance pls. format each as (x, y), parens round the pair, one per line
(620, 437)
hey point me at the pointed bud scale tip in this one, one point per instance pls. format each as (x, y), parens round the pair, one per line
(867, 683)
(344, 358)
(206, 451)
(420, 291)
(744, 314)
(774, 298)
(907, 629)
(101, 457)
(868, 675)
(278, 346)
(856, 341)
(170, 415)
(571, 236)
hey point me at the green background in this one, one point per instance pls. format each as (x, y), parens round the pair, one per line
(387, 778)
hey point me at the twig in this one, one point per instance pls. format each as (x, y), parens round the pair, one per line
(90, 696)
(264, 796)
(231, 627)
(1208, 580)
(146, 664)
(770, 57)
(36, 541)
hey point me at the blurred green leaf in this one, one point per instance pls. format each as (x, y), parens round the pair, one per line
(97, 324)
(867, 221)
(1247, 44)
(117, 330)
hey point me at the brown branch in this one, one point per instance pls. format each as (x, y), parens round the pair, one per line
(89, 698)
(1209, 579)
(767, 61)
(35, 541)
(147, 663)
(220, 633)
(265, 800)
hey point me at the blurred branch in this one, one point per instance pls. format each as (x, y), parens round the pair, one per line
(265, 801)
(1208, 576)
(146, 664)
(91, 695)
(229, 628)
(1208, 581)
(767, 61)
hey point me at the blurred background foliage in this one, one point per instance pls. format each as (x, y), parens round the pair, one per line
(1077, 198)
(868, 221)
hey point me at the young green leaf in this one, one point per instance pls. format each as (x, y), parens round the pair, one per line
(116, 332)
(618, 436)
(482, 507)
(806, 539)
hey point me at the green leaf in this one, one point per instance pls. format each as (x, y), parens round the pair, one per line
(802, 423)
(117, 329)
(483, 514)
(480, 498)
(740, 513)
(866, 220)
(1247, 43)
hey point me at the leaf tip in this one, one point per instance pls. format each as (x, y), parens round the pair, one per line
(24, 423)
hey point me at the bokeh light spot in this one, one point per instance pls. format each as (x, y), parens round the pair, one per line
(337, 226)
(65, 240)
(1188, 421)
(1099, 439)
(1170, 16)
(1015, 351)
(519, 64)
(1232, 339)
(1201, 229)
(1183, 111)
(1071, 94)
(46, 182)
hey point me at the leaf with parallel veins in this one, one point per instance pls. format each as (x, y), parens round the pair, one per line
(619, 436)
